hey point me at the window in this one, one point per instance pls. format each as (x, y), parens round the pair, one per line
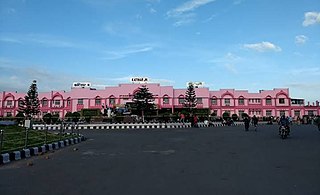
(268, 101)
(241, 113)
(281, 100)
(56, 102)
(199, 100)
(258, 112)
(214, 101)
(297, 101)
(44, 102)
(165, 100)
(181, 100)
(241, 101)
(9, 102)
(268, 112)
(112, 101)
(20, 102)
(9, 114)
(297, 113)
(227, 101)
(310, 113)
(68, 102)
(282, 112)
(98, 102)
(80, 101)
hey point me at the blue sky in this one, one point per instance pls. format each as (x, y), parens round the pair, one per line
(241, 44)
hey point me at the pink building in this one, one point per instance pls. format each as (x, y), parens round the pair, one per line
(274, 102)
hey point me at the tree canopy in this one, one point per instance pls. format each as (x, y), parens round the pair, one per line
(30, 105)
(190, 97)
(143, 100)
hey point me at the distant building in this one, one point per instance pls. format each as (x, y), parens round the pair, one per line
(274, 102)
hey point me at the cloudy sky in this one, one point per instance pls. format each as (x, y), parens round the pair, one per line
(241, 44)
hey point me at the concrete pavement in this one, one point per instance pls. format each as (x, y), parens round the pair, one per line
(217, 160)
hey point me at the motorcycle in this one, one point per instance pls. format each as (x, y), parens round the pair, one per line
(284, 132)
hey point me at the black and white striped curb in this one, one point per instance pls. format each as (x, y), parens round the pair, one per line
(133, 126)
(27, 153)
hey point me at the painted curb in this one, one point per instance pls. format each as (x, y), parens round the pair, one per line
(34, 151)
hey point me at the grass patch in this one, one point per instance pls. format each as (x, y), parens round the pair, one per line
(14, 138)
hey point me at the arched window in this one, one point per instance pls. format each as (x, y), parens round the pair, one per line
(98, 101)
(181, 99)
(112, 100)
(268, 100)
(241, 100)
(44, 102)
(165, 99)
(214, 100)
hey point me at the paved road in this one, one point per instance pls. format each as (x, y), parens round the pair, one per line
(219, 160)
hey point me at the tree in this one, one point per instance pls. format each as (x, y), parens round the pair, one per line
(30, 105)
(47, 118)
(19, 117)
(55, 118)
(75, 117)
(190, 97)
(68, 117)
(226, 115)
(234, 117)
(143, 100)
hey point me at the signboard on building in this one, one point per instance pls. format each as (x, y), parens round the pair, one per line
(139, 79)
(81, 85)
(196, 84)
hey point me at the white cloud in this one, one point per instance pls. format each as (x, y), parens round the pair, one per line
(122, 29)
(133, 49)
(183, 13)
(10, 40)
(162, 81)
(184, 19)
(305, 89)
(237, 2)
(209, 19)
(152, 10)
(187, 7)
(301, 39)
(39, 39)
(16, 76)
(262, 47)
(311, 18)
(308, 72)
(231, 68)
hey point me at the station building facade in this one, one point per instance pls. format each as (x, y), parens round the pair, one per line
(275, 102)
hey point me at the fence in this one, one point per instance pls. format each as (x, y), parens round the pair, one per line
(14, 138)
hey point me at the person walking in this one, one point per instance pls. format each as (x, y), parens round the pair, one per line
(182, 117)
(255, 122)
(246, 121)
(317, 122)
(195, 120)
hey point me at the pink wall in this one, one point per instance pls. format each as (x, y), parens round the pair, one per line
(265, 102)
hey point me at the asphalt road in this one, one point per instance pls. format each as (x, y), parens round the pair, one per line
(217, 160)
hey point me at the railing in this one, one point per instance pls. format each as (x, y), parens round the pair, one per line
(13, 138)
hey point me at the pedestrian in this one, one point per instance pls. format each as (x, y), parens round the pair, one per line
(255, 122)
(317, 122)
(182, 117)
(195, 120)
(246, 121)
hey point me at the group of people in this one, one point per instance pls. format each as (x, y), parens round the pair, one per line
(283, 121)
(254, 121)
(193, 119)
